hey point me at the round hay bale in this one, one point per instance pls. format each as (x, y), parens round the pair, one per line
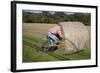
(76, 36)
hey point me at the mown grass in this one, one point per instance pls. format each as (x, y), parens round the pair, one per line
(32, 46)
(81, 55)
(31, 50)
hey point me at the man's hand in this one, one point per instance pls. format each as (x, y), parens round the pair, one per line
(61, 38)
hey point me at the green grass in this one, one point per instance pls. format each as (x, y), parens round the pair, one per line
(31, 53)
(32, 46)
(82, 55)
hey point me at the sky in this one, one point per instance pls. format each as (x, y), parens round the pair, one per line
(51, 12)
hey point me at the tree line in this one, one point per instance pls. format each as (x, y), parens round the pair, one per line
(56, 17)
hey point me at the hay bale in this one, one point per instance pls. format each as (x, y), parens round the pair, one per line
(76, 36)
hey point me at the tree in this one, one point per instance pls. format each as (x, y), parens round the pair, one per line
(56, 17)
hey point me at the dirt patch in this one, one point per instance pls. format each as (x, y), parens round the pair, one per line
(31, 28)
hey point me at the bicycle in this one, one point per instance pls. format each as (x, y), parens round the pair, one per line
(47, 43)
(45, 47)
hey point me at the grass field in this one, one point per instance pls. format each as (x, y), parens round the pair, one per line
(33, 40)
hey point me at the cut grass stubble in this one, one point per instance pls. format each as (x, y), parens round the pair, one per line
(32, 51)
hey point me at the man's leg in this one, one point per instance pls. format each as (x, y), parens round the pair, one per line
(51, 43)
(53, 40)
(54, 37)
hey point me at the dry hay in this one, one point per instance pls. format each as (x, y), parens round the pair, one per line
(77, 36)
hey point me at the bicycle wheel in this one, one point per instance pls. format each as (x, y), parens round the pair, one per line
(45, 45)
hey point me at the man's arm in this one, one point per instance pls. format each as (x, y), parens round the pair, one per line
(60, 32)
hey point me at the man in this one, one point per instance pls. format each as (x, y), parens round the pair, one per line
(54, 36)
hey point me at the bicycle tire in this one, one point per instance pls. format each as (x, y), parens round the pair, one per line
(44, 47)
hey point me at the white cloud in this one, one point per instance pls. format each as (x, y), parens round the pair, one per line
(33, 11)
(69, 13)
